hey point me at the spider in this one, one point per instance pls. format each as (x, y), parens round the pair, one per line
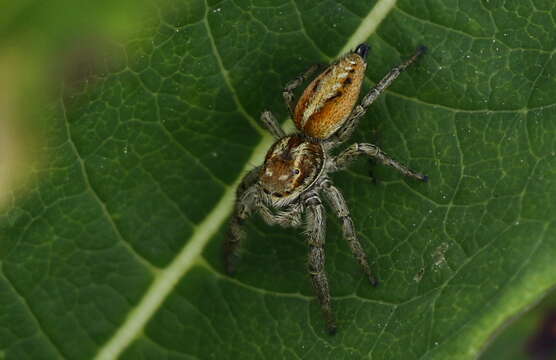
(295, 171)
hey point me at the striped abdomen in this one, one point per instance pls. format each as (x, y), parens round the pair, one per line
(327, 102)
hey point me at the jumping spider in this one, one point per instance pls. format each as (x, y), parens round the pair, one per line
(296, 167)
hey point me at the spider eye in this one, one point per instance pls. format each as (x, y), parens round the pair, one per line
(296, 171)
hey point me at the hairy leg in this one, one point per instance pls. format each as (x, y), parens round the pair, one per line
(246, 199)
(339, 205)
(287, 93)
(272, 124)
(316, 230)
(373, 151)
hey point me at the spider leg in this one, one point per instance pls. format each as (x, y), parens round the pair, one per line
(339, 205)
(287, 93)
(246, 199)
(347, 129)
(272, 124)
(316, 229)
(373, 151)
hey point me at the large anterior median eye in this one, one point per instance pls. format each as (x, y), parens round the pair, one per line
(296, 171)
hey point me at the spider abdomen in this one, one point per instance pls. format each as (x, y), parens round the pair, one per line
(327, 102)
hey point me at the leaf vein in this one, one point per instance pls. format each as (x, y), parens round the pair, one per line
(43, 329)
(95, 195)
(225, 75)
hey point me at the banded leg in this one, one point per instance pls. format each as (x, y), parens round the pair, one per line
(383, 84)
(272, 124)
(339, 205)
(316, 230)
(373, 151)
(245, 203)
(287, 93)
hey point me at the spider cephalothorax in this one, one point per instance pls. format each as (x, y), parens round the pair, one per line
(295, 171)
(291, 166)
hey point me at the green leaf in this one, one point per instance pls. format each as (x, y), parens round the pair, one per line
(112, 246)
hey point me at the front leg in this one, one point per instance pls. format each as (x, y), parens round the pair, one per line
(342, 160)
(287, 93)
(316, 230)
(246, 199)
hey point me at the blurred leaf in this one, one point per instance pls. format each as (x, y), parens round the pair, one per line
(520, 340)
(41, 42)
(122, 221)
(49, 25)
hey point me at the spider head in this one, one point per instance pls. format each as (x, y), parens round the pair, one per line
(291, 166)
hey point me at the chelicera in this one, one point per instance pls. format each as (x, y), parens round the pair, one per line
(285, 190)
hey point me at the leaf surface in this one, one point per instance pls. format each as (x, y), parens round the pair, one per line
(114, 247)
